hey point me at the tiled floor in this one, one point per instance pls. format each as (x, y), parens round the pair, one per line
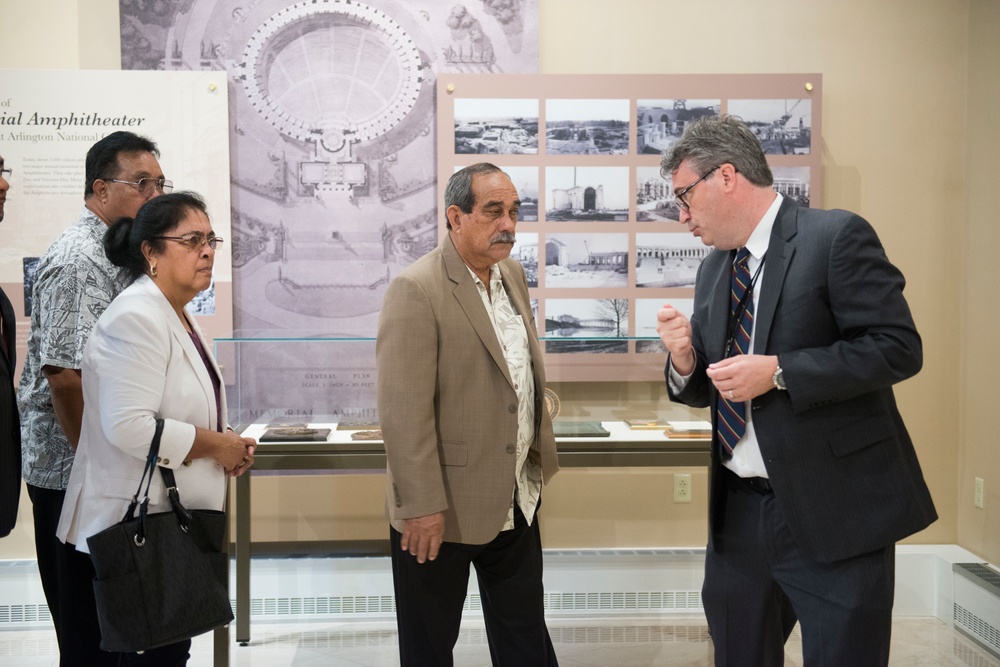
(651, 642)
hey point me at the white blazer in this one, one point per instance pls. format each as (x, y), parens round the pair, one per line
(139, 365)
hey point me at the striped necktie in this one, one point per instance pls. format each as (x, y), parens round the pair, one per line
(732, 421)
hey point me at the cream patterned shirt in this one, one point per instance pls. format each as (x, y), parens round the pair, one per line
(513, 338)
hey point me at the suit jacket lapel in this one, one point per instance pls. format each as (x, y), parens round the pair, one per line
(467, 295)
(718, 323)
(179, 333)
(9, 330)
(779, 255)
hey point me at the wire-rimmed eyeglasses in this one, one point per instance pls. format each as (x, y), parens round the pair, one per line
(147, 186)
(194, 241)
(679, 194)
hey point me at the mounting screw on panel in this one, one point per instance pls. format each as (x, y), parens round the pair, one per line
(979, 492)
(682, 487)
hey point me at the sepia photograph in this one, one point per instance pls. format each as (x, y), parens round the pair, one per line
(645, 321)
(586, 260)
(668, 260)
(586, 194)
(580, 321)
(501, 126)
(654, 196)
(586, 127)
(660, 123)
(525, 251)
(792, 183)
(783, 127)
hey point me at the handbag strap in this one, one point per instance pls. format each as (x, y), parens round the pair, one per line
(183, 515)
(147, 471)
(147, 475)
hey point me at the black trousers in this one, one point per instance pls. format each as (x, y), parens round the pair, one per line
(68, 582)
(758, 582)
(430, 596)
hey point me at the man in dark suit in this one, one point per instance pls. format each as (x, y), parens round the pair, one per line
(467, 437)
(10, 423)
(813, 475)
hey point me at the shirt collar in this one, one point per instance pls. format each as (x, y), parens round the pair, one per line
(761, 235)
(494, 274)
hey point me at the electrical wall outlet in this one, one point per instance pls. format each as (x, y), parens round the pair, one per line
(682, 487)
(978, 499)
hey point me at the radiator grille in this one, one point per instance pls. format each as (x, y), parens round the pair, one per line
(367, 605)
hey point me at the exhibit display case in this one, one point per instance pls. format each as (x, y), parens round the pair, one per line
(312, 406)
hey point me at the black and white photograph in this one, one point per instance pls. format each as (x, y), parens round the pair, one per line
(30, 265)
(586, 194)
(783, 127)
(792, 183)
(525, 251)
(645, 321)
(586, 260)
(660, 123)
(586, 127)
(503, 126)
(654, 196)
(668, 260)
(525, 179)
(580, 321)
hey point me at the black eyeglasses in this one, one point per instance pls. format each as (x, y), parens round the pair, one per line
(6, 173)
(679, 194)
(147, 186)
(194, 241)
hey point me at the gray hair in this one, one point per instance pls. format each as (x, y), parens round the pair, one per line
(714, 140)
(459, 192)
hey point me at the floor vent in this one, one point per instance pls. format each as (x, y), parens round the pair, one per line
(624, 602)
(977, 604)
(384, 605)
(24, 613)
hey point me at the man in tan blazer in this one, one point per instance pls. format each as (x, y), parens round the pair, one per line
(468, 440)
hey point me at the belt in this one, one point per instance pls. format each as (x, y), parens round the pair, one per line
(759, 485)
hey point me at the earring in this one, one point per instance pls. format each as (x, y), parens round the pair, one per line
(152, 270)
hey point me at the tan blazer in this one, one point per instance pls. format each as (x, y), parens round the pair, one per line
(447, 406)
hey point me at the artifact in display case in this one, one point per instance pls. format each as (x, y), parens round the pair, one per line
(689, 430)
(298, 433)
(645, 423)
(574, 429)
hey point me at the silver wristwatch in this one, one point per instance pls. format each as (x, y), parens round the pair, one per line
(779, 380)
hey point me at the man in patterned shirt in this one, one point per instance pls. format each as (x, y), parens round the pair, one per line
(468, 440)
(74, 283)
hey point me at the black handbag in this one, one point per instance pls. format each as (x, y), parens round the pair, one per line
(161, 578)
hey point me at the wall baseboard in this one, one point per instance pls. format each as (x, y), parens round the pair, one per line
(578, 583)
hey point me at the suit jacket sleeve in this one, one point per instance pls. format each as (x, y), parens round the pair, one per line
(865, 335)
(407, 359)
(131, 347)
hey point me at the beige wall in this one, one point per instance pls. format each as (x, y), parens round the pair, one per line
(908, 145)
(979, 361)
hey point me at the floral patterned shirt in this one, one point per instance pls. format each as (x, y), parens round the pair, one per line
(513, 337)
(74, 283)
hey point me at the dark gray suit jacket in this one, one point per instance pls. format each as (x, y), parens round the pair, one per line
(837, 452)
(10, 425)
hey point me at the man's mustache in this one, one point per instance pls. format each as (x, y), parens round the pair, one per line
(503, 237)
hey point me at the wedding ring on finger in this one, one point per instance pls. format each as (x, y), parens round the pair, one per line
(731, 395)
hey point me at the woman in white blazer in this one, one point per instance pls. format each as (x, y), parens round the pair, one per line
(147, 359)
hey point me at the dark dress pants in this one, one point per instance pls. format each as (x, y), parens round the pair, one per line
(430, 596)
(758, 582)
(67, 580)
